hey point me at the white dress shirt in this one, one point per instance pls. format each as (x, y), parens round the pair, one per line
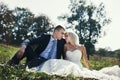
(45, 53)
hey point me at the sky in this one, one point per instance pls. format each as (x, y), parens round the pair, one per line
(54, 8)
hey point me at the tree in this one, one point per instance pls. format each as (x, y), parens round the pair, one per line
(18, 24)
(27, 25)
(41, 24)
(87, 20)
(23, 20)
(102, 52)
(6, 23)
(117, 53)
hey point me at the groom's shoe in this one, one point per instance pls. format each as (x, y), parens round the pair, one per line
(11, 63)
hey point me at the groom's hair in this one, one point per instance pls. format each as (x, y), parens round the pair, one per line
(59, 27)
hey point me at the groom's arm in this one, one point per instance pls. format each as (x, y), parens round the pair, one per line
(32, 41)
(27, 42)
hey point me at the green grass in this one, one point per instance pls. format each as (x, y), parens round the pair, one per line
(6, 52)
(98, 62)
(19, 72)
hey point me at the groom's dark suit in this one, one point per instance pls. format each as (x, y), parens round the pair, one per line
(40, 44)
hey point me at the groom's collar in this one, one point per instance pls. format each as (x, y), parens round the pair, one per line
(52, 38)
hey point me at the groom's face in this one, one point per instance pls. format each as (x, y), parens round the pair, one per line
(60, 33)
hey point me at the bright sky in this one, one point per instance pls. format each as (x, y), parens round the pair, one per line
(54, 8)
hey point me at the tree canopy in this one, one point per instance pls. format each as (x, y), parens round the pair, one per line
(87, 20)
(20, 23)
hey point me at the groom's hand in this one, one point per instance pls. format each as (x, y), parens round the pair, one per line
(21, 52)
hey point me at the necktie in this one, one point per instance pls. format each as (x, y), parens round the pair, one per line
(53, 47)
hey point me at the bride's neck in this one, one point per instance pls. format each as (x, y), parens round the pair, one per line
(73, 44)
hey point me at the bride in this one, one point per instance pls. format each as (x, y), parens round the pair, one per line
(72, 65)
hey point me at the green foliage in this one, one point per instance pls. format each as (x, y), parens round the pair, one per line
(23, 20)
(98, 62)
(19, 73)
(41, 24)
(20, 23)
(89, 20)
(6, 23)
(102, 52)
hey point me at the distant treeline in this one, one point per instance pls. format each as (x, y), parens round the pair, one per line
(105, 53)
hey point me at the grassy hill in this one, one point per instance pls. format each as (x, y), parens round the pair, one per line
(19, 73)
(6, 52)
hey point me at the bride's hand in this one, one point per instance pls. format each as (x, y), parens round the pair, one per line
(88, 66)
(21, 52)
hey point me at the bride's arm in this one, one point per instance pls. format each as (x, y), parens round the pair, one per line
(85, 59)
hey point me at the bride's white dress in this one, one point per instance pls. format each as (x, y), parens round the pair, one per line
(73, 66)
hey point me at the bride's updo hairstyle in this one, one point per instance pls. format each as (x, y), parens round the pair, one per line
(74, 37)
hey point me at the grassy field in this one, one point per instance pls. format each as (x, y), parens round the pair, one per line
(6, 52)
(19, 73)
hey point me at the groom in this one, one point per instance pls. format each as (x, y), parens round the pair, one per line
(47, 47)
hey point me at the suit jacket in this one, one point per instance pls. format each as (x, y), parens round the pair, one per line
(42, 42)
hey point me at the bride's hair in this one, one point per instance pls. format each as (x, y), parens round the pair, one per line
(74, 37)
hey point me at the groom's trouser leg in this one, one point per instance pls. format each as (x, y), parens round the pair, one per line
(36, 62)
(29, 54)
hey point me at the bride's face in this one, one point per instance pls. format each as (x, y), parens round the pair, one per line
(67, 38)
